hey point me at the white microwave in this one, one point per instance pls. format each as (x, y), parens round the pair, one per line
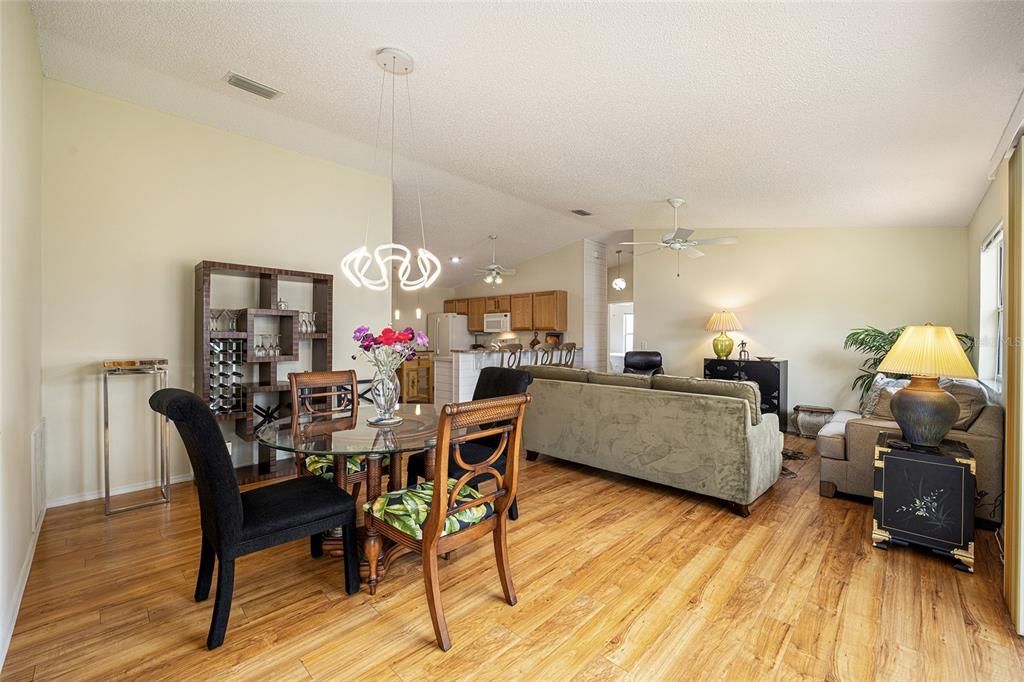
(495, 323)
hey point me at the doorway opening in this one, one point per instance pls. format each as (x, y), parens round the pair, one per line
(620, 333)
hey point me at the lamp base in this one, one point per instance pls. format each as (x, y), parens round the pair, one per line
(924, 411)
(722, 346)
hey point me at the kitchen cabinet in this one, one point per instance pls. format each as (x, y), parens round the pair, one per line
(499, 304)
(521, 307)
(462, 306)
(416, 378)
(476, 308)
(449, 306)
(550, 310)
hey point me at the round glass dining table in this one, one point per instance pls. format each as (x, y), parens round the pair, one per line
(345, 437)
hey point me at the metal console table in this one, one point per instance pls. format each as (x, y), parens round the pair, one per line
(158, 369)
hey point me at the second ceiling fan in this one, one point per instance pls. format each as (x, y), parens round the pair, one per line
(679, 238)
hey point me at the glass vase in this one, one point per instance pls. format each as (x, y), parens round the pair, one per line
(384, 392)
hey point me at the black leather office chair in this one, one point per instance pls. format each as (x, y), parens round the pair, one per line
(493, 382)
(643, 362)
(236, 523)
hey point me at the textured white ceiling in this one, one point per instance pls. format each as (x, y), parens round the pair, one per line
(760, 115)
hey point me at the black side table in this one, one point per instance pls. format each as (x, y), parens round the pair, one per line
(771, 377)
(925, 497)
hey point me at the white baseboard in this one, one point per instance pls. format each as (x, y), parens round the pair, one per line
(119, 490)
(9, 619)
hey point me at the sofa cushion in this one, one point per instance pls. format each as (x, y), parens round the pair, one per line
(631, 380)
(970, 395)
(831, 441)
(558, 373)
(747, 390)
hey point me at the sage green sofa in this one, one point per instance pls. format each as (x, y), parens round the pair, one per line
(700, 435)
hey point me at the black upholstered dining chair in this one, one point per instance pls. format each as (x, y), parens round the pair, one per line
(236, 523)
(643, 362)
(493, 382)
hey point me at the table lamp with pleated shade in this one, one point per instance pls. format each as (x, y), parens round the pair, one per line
(723, 321)
(924, 411)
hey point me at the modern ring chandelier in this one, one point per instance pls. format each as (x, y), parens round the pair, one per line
(372, 269)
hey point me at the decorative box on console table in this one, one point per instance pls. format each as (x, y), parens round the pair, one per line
(925, 496)
(771, 377)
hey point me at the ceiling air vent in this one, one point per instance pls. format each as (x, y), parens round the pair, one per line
(581, 212)
(249, 85)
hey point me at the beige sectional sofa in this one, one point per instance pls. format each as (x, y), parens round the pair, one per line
(700, 435)
(847, 449)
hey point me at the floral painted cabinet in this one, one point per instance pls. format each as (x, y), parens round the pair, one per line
(925, 497)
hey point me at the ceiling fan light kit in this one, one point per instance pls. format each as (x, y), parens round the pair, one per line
(372, 270)
(493, 272)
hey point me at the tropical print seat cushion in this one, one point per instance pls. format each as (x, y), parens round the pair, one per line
(407, 509)
(323, 465)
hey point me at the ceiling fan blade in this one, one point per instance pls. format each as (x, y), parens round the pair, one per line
(717, 240)
(508, 271)
(638, 243)
(692, 252)
(644, 253)
(679, 233)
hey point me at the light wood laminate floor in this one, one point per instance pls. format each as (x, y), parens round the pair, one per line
(616, 578)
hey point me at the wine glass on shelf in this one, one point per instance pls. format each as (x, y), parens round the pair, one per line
(215, 314)
(232, 316)
(303, 324)
(276, 350)
(312, 322)
(259, 351)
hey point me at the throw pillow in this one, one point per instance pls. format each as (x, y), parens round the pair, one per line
(867, 406)
(970, 395)
(883, 408)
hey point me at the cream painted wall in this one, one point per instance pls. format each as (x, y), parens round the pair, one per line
(991, 212)
(21, 92)
(558, 269)
(797, 293)
(430, 300)
(132, 200)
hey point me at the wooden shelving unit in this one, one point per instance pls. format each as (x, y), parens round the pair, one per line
(264, 369)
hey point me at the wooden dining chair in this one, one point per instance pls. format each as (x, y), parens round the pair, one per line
(334, 395)
(440, 515)
(493, 382)
(567, 356)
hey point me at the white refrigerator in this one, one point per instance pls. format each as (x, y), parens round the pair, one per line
(447, 332)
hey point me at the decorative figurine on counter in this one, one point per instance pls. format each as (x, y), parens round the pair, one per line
(744, 354)
(536, 341)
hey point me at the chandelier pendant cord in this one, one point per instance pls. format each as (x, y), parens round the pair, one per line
(376, 150)
(416, 170)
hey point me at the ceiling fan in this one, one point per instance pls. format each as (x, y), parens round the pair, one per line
(679, 238)
(493, 272)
